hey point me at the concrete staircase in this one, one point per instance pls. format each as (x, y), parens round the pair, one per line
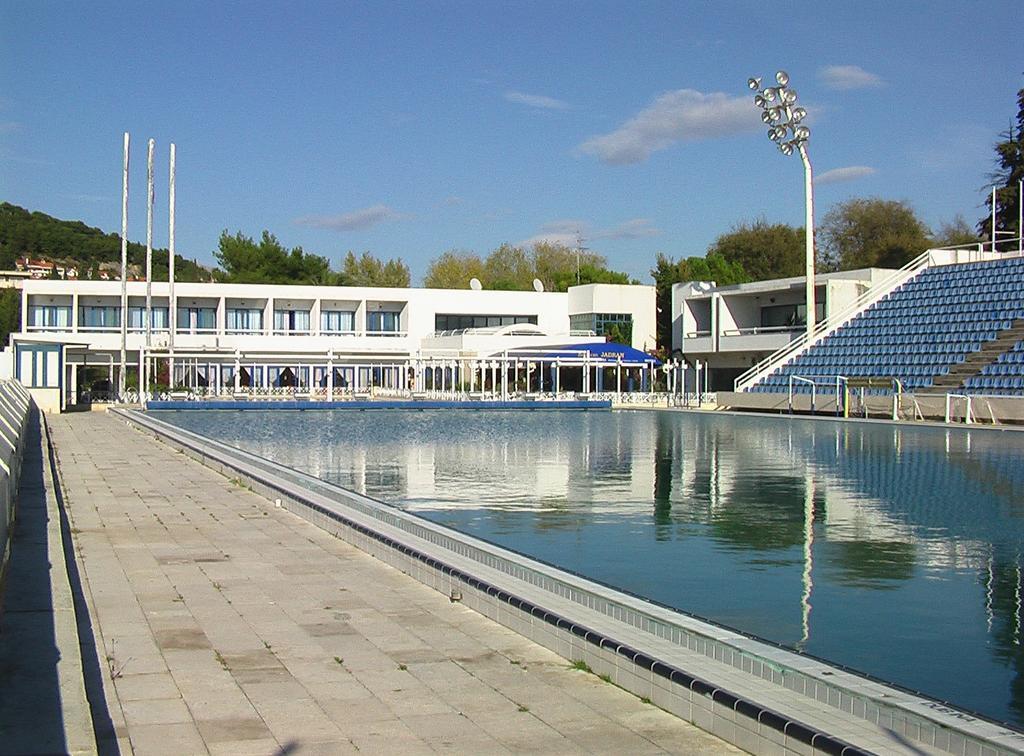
(976, 361)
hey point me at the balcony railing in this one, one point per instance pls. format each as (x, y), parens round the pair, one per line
(763, 329)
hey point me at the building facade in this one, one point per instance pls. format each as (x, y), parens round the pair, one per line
(727, 329)
(223, 338)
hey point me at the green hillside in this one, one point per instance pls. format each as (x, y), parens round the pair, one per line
(34, 234)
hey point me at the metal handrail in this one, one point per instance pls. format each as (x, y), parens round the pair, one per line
(827, 326)
(968, 415)
(843, 390)
(814, 388)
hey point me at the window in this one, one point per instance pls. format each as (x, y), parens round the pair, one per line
(291, 321)
(99, 317)
(459, 322)
(615, 324)
(241, 320)
(49, 316)
(193, 319)
(137, 318)
(337, 321)
(789, 315)
(383, 321)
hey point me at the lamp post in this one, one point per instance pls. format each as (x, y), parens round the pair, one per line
(780, 113)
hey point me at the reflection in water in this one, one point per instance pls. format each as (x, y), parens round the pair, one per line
(894, 550)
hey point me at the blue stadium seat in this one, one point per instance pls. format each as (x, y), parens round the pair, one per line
(922, 329)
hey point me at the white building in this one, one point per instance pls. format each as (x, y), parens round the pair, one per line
(320, 339)
(727, 329)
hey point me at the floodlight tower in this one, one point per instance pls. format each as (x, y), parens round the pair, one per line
(784, 120)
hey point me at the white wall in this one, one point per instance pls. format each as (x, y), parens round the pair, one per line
(638, 301)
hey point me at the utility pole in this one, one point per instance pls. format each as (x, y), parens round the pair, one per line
(580, 249)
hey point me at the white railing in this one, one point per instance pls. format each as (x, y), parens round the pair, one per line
(814, 390)
(830, 324)
(760, 330)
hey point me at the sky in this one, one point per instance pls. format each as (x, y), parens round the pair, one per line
(411, 128)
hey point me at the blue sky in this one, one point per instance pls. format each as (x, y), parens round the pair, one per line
(408, 129)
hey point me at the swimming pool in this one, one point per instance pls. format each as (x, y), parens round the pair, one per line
(894, 550)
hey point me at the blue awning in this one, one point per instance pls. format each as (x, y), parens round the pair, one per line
(605, 350)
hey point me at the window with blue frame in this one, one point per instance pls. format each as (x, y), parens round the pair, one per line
(291, 321)
(49, 316)
(337, 321)
(242, 320)
(137, 318)
(197, 319)
(99, 317)
(383, 321)
(615, 324)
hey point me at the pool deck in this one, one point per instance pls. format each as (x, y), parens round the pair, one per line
(226, 625)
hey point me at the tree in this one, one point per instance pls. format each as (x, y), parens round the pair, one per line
(243, 260)
(509, 268)
(667, 272)
(514, 268)
(369, 270)
(872, 233)
(956, 233)
(10, 313)
(763, 250)
(1009, 171)
(39, 235)
(453, 270)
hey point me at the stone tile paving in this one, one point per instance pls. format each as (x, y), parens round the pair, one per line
(230, 626)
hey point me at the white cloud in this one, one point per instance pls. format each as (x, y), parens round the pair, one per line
(849, 173)
(848, 77)
(353, 221)
(564, 232)
(569, 232)
(536, 101)
(684, 115)
(637, 228)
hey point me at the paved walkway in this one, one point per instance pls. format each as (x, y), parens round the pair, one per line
(229, 626)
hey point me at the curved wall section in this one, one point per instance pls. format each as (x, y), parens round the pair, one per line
(14, 410)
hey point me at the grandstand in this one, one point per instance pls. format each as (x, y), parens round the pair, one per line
(956, 328)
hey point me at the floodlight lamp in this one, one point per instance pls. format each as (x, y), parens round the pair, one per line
(760, 101)
(782, 77)
(766, 116)
(780, 132)
(776, 113)
(754, 83)
(788, 96)
(770, 94)
(772, 135)
(801, 133)
(799, 114)
(786, 148)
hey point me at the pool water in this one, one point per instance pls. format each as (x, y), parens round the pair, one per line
(892, 550)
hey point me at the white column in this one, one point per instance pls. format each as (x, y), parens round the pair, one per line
(330, 376)
(149, 245)
(124, 271)
(809, 238)
(172, 306)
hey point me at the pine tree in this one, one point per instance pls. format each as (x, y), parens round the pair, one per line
(1009, 171)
